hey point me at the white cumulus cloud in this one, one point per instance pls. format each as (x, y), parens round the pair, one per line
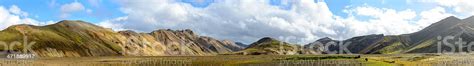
(249, 20)
(240, 20)
(464, 8)
(66, 9)
(14, 15)
(381, 21)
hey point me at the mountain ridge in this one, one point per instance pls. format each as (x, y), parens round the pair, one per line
(75, 38)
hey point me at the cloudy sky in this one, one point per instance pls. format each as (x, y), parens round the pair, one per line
(296, 21)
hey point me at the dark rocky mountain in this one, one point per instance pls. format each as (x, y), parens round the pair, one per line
(317, 47)
(77, 39)
(423, 41)
(459, 29)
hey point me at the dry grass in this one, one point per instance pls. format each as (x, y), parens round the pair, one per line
(237, 60)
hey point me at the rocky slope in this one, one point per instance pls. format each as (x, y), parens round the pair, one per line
(318, 46)
(451, 26)
(77, 38)
(423, 41)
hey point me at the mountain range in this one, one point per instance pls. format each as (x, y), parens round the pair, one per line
(70, 38)
(74, 38)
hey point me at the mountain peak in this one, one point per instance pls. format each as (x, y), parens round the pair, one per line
(265, 39)
(75, 24)
(444, 23)
(452, 17)
(189, 31)
(267, 45)
(449, 19)
(72, 22)
(20, 27)
(324, 39)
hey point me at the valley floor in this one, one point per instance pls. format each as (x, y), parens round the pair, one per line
(257, 60)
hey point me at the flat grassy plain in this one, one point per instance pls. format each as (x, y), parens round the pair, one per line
(254, 60)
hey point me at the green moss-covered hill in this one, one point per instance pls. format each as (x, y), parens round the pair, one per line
(270, 46)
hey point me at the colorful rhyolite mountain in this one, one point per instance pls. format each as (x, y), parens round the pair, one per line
(78, 39)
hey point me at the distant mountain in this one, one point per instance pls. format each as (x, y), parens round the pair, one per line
(77, 38)
(241, 44)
